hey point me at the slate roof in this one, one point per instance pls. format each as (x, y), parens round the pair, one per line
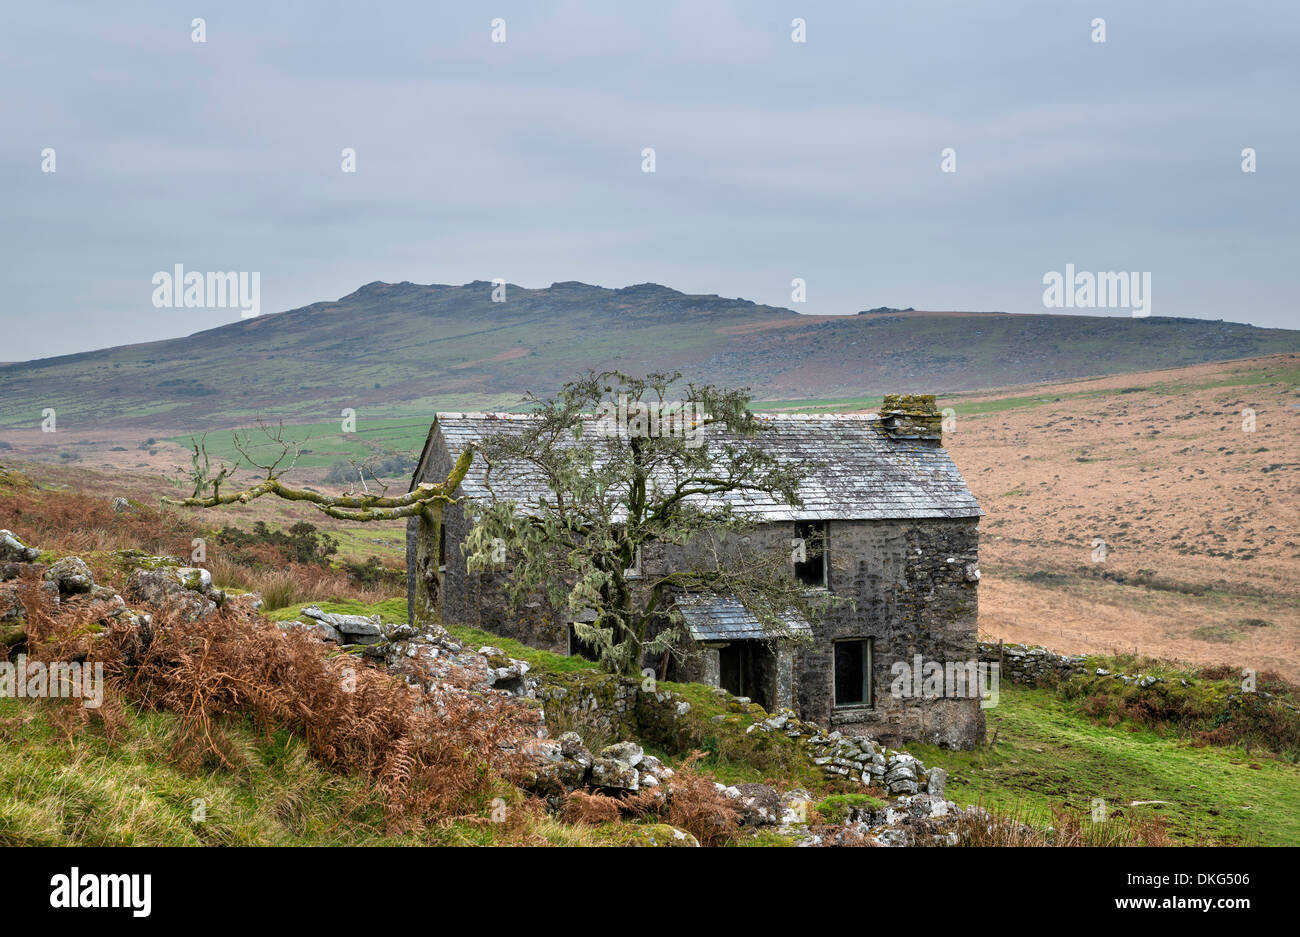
(867, 474)
(723, 618)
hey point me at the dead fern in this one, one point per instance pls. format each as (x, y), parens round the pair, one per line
(428, 756)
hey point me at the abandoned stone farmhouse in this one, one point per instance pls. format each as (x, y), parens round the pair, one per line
(897, 535)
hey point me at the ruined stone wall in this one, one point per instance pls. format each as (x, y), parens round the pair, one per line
(1029, 665)
(912, 588)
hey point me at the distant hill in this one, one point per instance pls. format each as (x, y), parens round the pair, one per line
(400, 349)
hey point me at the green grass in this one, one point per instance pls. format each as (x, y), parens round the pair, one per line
(837, 807)
(547, 661)
(1049, 753)
(88, 791)
(323, 444)
(359, 542)
(393, 611)
(830, 405)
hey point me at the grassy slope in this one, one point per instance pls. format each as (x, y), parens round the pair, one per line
(1047, 753)
(89, 791)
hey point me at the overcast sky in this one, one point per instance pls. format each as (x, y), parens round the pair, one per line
(523, 159)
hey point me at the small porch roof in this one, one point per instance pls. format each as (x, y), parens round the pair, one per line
(724, 618)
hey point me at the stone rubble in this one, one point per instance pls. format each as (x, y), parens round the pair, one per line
(565, 764)
(188, 588)
(1023, 663)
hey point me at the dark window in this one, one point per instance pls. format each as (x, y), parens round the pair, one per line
(853, 672)
(811, 570)
(442, 546)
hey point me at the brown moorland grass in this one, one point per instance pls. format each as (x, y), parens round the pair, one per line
(1199, 517)
(78, 522)
(85, 523)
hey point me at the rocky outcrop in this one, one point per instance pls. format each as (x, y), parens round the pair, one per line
(13, 550)
(68, 582)
(187, 588)
(17, 564)
(72, 576)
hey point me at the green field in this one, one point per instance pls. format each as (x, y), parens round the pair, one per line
(1048, 753)
(321, 444)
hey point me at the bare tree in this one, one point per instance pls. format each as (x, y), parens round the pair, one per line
(425, 502)
(606, 496)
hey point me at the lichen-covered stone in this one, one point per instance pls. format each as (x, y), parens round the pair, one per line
(138, 559)
(615, 775)
(627, 753)
(11, 605)
(72, 575)
(760, 803)
(187, 588)
(13, 550)
(353, 629)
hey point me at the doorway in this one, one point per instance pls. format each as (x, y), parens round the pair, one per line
(748, 668)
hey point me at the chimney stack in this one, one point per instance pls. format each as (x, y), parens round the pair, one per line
(911, 416)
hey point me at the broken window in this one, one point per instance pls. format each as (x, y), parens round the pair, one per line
(853, 672)
(809, 552)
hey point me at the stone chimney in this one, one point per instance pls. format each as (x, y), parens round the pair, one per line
(911, 416)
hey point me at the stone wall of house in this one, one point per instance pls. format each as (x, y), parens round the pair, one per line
(911, 587)
(479, 600)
